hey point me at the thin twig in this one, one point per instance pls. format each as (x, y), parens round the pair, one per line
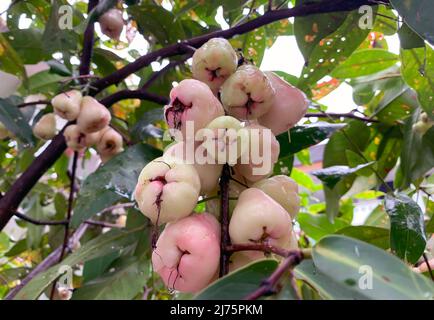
(32, 103)
(266, 248)
(268, 286)
(425, 258)
(349, 115)
(40, 222)
(102, 224)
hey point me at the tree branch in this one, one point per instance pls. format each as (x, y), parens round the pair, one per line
(257, 247)
(224, 214)
(338, 115)
(133, 94)
(32, 103)
(268, 286)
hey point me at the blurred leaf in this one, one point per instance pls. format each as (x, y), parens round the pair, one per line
(332, 175)
(305, 180)
(365, 62)
(123, 284)
(112, 182)
(114, 239)
(378, 218)
(96, 267)
(44, 82)
(376, 236)
(14, 121)
(317, 226)
(252, 45)
(409, 39)
(417, 155)
(417, 67)
(28, 44)
(407, 228)
(351, 263)
(238, 284)
(386, 21)
(418, 15)
(10, 61)
(302, 137)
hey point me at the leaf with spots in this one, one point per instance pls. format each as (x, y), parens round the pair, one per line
(417, 67)
(332, 51)
(252, 45)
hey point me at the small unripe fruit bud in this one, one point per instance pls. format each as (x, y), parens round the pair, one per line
(45, 128)
(263, 154)
(187, 254)
(222, 139)
(93, 116)
(62, 293)
(257, 218)
(209, 173)
(214, 62)
(110, 144)
(121, 221)
(4, 133)
(289, 106)
(191, 100)
(112, 23)
(77, 140)
(167, 191)
(67, 105)
(248, 93)
(283, 190)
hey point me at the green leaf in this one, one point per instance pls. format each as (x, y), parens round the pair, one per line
(417, 155)
(409, 39)
(44, 82)
(14, 121)
(28, 44)
(407, 228)
(378, 218)
(365, 62)
(96, 267)
(155, 21)
(418, 15)
(10, 61)
(237, 285)
(318, 226)
(332, 175)
(302, 137)
(326, 287)
(112, 182)
(332, 51)
(310, 30)
(417, 67)
(378, 237)
(115, 239)
(351, 262)
(123, 284)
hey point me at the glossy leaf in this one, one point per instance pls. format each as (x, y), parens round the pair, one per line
(112, 182)
(378, 237)
(352, 263)
(407, 228)
(332, 175)
(239, 284)
(318, 226)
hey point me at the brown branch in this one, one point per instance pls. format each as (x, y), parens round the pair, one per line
(133, 94)
(425, 258)
(266, 248)
(338, 115)
(48, 157)
(32, 103)
(268, 286)
(40, 222)
(224, 214)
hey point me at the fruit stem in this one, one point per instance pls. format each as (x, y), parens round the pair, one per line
(224, 214)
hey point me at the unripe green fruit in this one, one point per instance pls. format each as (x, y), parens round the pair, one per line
(214, 62)
(45, 128)
(191, 100)
(110, 144)
(289, 106)
(167, 191)
(112, 23)
(257, 218)
(67, 105)
(187, 253)
(283, 190)
(93, 116)
(248, 93)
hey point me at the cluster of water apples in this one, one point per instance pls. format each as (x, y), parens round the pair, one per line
(222, 97)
